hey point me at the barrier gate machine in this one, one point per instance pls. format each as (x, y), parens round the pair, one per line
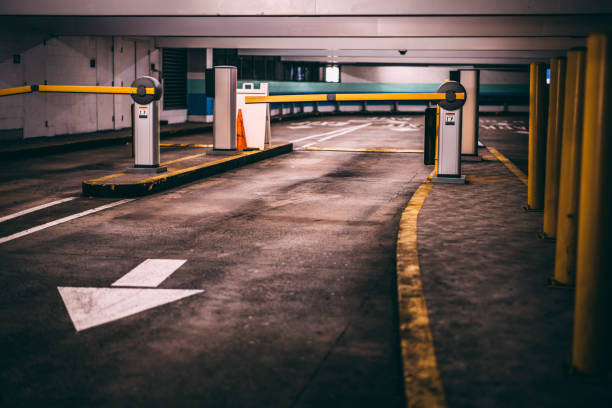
(145, 122)
(448, 165)
(450, 98)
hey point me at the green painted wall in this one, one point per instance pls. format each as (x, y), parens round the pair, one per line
(293, 87)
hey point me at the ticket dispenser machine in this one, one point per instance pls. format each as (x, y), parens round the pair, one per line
(448, 166)
(146, 126)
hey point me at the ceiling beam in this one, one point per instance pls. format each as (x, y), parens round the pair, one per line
(395, 54)
(379, 43)
(302, 7)
(404, 26)
(418, 60)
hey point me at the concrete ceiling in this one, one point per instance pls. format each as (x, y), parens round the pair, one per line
(344, 31)
(303, 7)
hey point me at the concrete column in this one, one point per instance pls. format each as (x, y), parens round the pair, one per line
(537, 136)
(569, 175)
(553, 146)
(592, 347)
(224, 127)
(208, 111)
(209, 58)
(470, 79)
(196, 86)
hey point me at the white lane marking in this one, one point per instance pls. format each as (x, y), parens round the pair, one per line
(90, 307)
(403, 129)
(321, 134)
(62, 220)
(38, 207)
(151, 273)
(299, 127)
(348, 130)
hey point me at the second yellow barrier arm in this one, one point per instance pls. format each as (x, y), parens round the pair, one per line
(434, 96)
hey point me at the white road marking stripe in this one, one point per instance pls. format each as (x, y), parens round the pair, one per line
(62, 220)
(349, 130)
(38, 207)
(151, 273)
(322, 134)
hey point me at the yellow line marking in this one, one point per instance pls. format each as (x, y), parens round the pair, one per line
(431, 96)
(105, 177)
(184, 145)
(162, 164)
(422, 384)
(346, 149)
(172, 172)
(511, 166)
(183, 158)
(93, 89)
(188, 169)
(15, 91)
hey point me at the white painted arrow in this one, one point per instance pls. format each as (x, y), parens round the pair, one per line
(89, 307)
(151, 273)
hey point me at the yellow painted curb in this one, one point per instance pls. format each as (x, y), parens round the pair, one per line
(422, 384)
(511, 166)
(185, 145)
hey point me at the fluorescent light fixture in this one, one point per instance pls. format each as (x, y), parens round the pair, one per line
(332, 73)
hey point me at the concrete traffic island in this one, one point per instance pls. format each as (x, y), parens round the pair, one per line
(180, 171)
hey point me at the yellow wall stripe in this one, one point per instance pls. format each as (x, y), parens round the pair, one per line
(422, 383)
(511, 166)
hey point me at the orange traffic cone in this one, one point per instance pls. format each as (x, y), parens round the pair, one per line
(241, 143)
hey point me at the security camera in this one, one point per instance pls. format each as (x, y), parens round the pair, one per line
(402, 52)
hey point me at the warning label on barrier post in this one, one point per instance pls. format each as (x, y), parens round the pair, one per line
(449, 119)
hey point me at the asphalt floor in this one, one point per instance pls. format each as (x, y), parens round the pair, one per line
(287, 296)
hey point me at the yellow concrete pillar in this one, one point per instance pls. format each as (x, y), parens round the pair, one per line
(569, 175)
(553, 146)
(537, 137)
(592, 347)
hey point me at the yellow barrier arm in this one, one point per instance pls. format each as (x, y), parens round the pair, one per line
(352, 97)
(93, 89)
(116, 90)
(15, 91)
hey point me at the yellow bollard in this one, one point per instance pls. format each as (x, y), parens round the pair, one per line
(569, 175)
(553, 147)
(592, 347)
(537, 137)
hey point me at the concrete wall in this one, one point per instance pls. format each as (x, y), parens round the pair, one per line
(67, 61)
(500, 91)
(393, 74)
(424, 75)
